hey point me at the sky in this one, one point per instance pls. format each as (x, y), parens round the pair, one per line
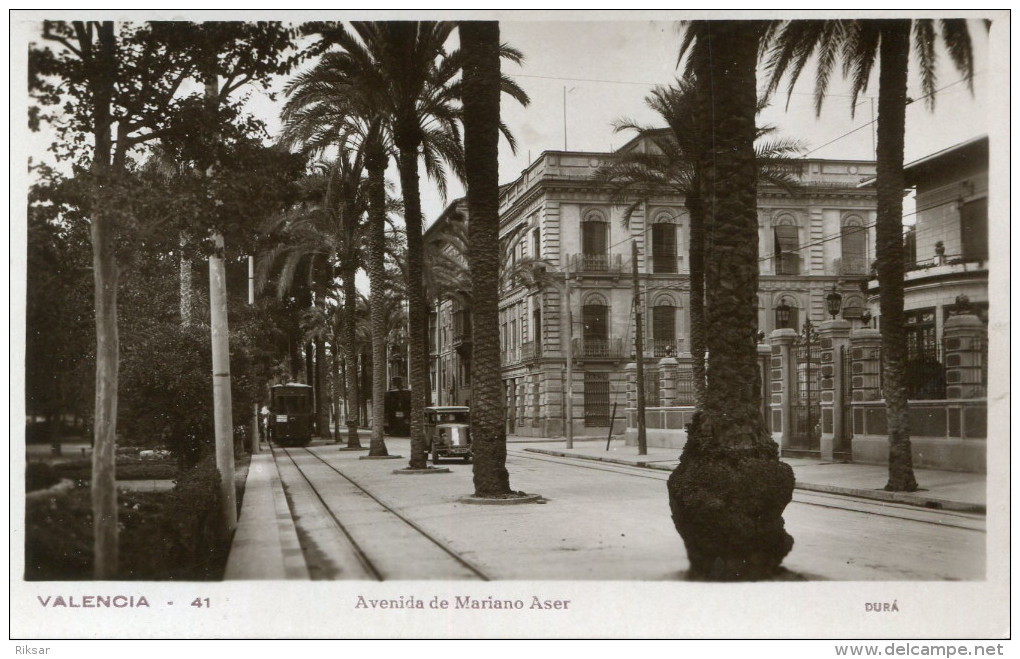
(583, 75)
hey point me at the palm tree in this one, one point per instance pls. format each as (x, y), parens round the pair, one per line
(403, 69)
(481, 92)
(859, 42)
(674, 168)
(329, 107)
(728, 493)
(326, 233)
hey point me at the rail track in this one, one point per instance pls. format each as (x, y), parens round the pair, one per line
(350, 533)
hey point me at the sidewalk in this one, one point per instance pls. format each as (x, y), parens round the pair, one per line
(943, 490)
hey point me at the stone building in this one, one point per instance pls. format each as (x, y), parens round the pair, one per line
(555, 213)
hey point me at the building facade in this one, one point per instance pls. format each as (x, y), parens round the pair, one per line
(947, 248)
(556, 215)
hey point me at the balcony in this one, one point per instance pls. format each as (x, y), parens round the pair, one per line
(461, 332)
(667, 264)
(786, 263)
(664, 347)
(598, 348)
(850, 266)
(589, 264)
(530, 351)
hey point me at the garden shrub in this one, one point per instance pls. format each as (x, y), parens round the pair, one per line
(39, 476)
(127, 470)
(175, 535)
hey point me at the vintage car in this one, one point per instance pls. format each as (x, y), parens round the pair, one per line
(448, 432)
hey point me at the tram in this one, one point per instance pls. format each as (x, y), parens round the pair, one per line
(291, 412)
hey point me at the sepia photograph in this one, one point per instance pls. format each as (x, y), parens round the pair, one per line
(487, 324)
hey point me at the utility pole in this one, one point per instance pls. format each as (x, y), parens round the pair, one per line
(570, 361)
(255, 414)
(639, 348)
(222, 414)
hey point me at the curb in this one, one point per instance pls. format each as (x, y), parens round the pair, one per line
(907, 498)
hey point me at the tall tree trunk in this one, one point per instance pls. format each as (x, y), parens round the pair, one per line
(697, 301)
(187, 291)
(321, 377)
(335, 390)
(351, 354)
(223, 415)
(728, 493)
(105, 274)
(892, 95)
(480, 44)
(408, 139)
(376, 166)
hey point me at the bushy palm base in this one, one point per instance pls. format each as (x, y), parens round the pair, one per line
(727, 505)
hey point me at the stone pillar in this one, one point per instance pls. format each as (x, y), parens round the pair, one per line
(834, 339)
(782, 374)
(668, 374)
(965, 338)
(552, 403)
(765, 368)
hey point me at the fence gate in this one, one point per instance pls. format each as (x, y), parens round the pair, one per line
(596, 399)
(652, 387)
(805, 430)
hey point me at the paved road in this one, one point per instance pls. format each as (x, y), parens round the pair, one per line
(600, 522)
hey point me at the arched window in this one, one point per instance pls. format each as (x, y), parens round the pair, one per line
(786, 242)
(854, 247)
(595, 316)
(595, 241)
(664, 244)
(664, 326)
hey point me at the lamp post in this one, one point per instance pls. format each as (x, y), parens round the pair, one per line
(833, 301)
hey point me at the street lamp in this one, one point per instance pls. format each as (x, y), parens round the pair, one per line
(833, 301)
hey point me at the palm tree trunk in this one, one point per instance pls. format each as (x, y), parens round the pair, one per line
(697, 301)
(480, 44)
(728, 493)
(417, 307)
(321, 377)
(376, 165)
(893, 57)
(351, 355)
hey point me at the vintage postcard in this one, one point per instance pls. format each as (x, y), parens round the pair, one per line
(511, 324)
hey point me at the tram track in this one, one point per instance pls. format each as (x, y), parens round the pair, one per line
(834, 501)
(383, 541)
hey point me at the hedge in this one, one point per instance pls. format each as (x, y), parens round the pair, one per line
(175, 535)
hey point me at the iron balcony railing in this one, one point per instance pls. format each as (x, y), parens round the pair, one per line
(664, 347)
(531, 350)
(598, 348)
(596, 263)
